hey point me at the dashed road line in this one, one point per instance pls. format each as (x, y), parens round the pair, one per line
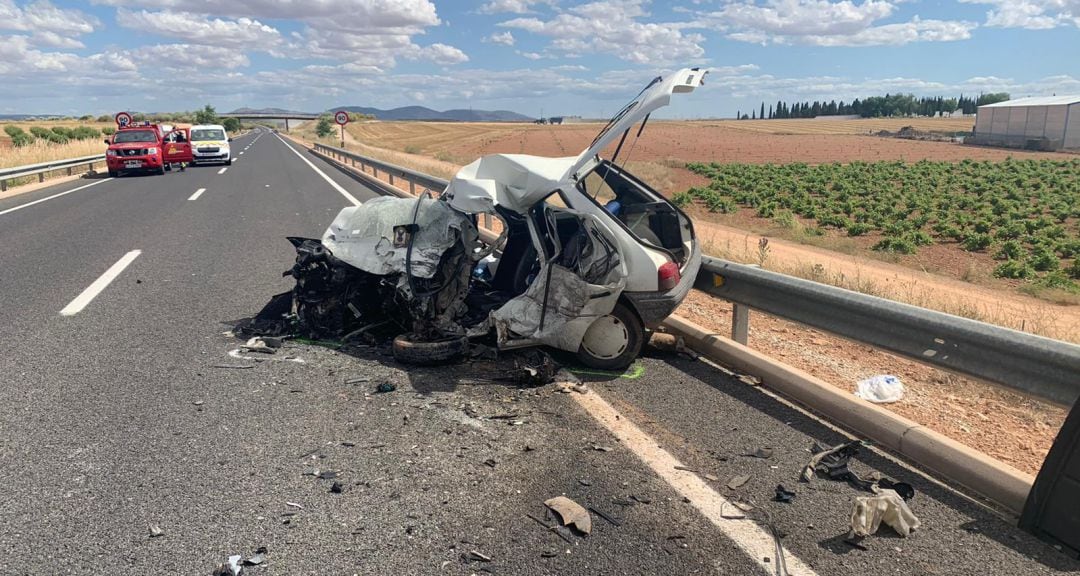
(197, 193)
(336, 186)
(100, 284)
(39, 201)
(222, 171)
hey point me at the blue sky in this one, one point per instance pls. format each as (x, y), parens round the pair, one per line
(558, 56)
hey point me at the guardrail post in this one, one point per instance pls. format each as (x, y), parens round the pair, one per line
(70, 168)
(375, 171)
(3, 185)
(740, 323)
(412, 188)
(41, 177)
(391, 179)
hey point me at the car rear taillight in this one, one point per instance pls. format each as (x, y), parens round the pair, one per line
(668, 276)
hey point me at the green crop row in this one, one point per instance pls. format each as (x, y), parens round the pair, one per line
(1025, 213)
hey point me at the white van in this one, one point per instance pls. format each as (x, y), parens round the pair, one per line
(210, 143)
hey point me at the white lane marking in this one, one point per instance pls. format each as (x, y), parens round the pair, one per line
(197, 193)
(242, 152)
(336, 186)
(20, 207)
(751, 537)
(100, 284)
(222, 171)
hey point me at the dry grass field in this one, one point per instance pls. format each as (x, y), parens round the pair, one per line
(41, 151)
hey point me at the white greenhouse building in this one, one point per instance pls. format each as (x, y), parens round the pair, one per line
(1043, 123)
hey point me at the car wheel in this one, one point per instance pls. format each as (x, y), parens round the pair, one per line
(114, 173)
(228, 162)
(612, 341)
(168, 167)
(161, 171)
(408, 350)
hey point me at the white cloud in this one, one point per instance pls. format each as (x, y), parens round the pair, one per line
(504, 38)
(510, 6)
(530, 55)
(613, 27)
(1031, 14)
(828, 23)
(443, 54)
(199, 29)
(47, 25)
(177, 58)
(351, 15)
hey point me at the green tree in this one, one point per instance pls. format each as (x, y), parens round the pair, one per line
(324, 128)
(231, 124)
(104, 118)
(206, 116)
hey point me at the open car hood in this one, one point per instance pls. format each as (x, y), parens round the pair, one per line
(654, 96)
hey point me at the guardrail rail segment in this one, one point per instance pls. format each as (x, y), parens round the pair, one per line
(39, 170)
(1033, 365)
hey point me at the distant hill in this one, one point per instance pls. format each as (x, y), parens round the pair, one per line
(423, 113)
(29, 116)
(265, 111)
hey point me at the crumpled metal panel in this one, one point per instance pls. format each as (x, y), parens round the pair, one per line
(371, 236)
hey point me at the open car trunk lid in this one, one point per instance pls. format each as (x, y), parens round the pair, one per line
(654, 96)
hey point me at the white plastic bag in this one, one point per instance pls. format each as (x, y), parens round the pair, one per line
(881, 389)
(887, 507)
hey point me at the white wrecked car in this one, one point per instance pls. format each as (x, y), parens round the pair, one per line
(588, 257)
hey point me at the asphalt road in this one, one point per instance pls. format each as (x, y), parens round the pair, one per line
(130, 412)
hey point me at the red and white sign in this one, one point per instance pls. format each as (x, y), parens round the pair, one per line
(341, 117)
(123, 119)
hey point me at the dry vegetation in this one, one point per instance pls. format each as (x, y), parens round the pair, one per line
(41, 151)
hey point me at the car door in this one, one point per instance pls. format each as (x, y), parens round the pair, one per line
(178, 147)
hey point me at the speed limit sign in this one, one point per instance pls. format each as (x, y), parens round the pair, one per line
(341, 117)
(123, 119)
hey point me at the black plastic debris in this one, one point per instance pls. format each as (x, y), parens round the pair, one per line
(833, 463)
(257, 558)
(783, 494)
(385, 387)
(533, 367)
(762, 453)
(337, 488)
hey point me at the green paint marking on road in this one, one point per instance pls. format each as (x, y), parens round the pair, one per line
(633, 373)
(323, 343)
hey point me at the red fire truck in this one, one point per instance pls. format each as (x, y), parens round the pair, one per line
(145, 148)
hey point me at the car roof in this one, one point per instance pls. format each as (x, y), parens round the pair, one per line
(198, 126)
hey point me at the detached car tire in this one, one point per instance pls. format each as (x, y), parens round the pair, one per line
(613, 341)
(408, 350)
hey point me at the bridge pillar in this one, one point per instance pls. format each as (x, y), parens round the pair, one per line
(286, 124)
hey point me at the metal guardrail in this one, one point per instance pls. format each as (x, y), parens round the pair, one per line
(412, 177)
(1045, 368)
(42, 168)
(1048, 369)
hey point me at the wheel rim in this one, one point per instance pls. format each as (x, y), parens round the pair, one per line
(606, 338)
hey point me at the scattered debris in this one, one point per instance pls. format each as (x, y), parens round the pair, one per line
(233, 568)
(711, 478)
(640, 499)
(474, 555)
(610, 519)
(600, 448)
(234, 366)
(257, 344)
(156, 531)
(854, 543)
(886, 506)
(833, 463)
(555, 528)
(880, 389)
(490, 462)
(534, 367)
(198, 402)
(294, 505)
(738, 481)
(584, 482)
(387, 386)
(257, 558)
(783, 494)
(571, 513)
(763, 453)
(336, 488)
(738, 515)
(358, 380)
(327, 475)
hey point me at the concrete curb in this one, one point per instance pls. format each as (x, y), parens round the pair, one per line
(974, 470)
